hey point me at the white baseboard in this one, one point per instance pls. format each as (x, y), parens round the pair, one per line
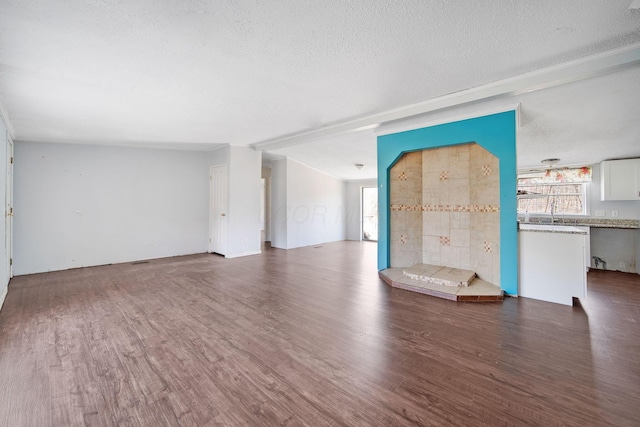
(3, 294)
(243, 254)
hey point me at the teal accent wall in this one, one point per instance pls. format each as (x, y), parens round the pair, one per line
(496, 133)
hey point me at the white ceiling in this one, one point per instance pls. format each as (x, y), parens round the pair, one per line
(196, 74)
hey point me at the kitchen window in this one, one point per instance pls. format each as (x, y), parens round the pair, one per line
(557, 192)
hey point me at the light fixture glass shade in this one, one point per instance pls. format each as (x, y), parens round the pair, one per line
(549, 162)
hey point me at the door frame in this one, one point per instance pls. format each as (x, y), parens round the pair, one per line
(9, 207)
(211, 248)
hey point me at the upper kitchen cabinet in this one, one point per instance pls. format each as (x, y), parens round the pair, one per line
(620, 179)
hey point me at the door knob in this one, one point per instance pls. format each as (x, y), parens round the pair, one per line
(223, 214)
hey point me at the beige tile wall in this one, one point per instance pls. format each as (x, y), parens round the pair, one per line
(446, 186)
(485, 226)
(445, 210)
(405, 188)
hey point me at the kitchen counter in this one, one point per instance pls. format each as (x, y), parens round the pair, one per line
(586, 221)
(548, 228)
(552, 262)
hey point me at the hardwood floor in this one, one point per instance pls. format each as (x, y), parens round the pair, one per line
(311, 337)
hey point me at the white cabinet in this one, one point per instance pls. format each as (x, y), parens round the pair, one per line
(552, 263)
(620, 179)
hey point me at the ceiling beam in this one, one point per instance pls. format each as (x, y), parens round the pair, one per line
(556, 75)
(419, 122)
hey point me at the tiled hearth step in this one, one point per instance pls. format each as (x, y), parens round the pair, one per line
(439, 275)
(478, 290)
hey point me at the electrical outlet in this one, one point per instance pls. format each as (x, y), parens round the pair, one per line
(614, 213)
(599, 213)
(623, 265)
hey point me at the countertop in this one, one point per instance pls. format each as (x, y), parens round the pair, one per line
(584, 221)
(548, 228)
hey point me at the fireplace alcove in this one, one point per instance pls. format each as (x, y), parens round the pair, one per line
(443, 232)
(444, 221)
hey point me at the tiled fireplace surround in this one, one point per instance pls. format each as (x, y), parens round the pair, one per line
(445, 210)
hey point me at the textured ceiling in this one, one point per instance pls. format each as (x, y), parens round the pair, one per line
(193, 74)
(583, 122)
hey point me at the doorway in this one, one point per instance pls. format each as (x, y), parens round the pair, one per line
(6, 168)
(370, 214)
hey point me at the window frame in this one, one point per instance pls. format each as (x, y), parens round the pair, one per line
(585, 194)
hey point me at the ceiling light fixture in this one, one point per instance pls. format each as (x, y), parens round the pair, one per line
(359, 166)
(549, 162)
(635, 4)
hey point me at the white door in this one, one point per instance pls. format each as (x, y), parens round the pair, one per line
(218, 198)
(5, 256)
(9, 208)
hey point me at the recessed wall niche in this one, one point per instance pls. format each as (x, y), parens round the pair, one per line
(445, 210)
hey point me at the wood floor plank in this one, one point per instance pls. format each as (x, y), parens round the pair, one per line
(307, 337)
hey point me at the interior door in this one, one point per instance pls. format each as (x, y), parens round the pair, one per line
(219, 199)
(9, 208)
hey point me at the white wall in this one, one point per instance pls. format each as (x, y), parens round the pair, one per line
(219, 156)
(279, 203)
(266, 175)
(79, 206)
(245, 183)
(316, 206)
(638, 251)
(354, 207)
(308, 206)
(615, 246)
